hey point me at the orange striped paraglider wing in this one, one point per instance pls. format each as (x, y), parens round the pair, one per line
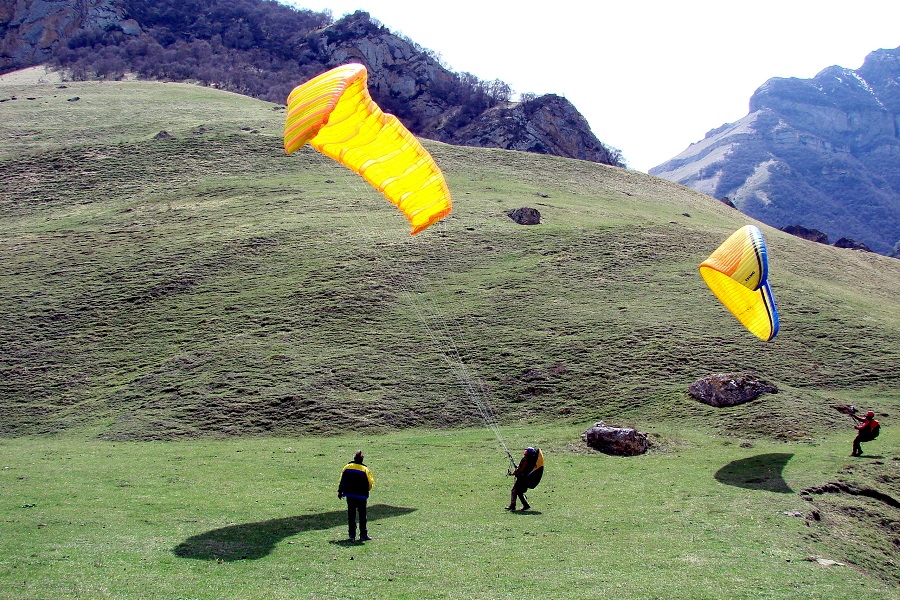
(335, 115)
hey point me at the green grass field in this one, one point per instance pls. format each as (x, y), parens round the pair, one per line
(259, 518)
(199, 330)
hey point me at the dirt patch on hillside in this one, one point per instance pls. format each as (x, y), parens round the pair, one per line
(859, 515)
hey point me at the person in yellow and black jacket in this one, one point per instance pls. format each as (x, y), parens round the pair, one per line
(356, 482)
(528, 474)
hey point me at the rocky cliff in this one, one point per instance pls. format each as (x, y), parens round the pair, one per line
(31, 29)
(823, 153)
(415, 87)
(247, 46)
(547, 124)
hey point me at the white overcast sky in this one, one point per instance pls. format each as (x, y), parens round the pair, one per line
(650, 76)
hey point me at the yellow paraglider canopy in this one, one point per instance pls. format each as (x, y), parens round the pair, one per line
(737, 273)
(336, 115)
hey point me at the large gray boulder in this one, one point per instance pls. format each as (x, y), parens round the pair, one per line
(728, 389)
(622, 441)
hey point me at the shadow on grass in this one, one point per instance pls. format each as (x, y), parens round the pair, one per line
(250, 541)
(760, 472)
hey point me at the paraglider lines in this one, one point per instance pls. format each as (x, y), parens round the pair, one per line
(442, 331)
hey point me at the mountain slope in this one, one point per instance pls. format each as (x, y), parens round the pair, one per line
(203, 283)
(264, 49)
(822, 153)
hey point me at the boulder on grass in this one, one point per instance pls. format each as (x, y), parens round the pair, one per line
(622, 441)
(728, 389)
(525, 216)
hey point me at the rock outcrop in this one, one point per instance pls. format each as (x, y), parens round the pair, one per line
(622, 441)
(851, 244)
(547, 124)
(411, 84)
(822, 152)
(813, 235)
(726, 389)
(403, 79)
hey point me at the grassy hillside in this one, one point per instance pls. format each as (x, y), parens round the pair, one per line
(202, 285)
(206, 283)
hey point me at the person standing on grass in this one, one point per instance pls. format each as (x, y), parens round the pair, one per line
(867, 431)
(356, 482)
(528, 475)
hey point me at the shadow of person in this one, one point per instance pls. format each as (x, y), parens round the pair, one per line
(760, 472)
(346, 543)
(250, 541)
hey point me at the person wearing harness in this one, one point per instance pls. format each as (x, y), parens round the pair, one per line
(868, 430)
(527, 475)
(356, 483)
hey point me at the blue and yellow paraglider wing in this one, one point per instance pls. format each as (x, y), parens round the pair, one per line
(737, 273)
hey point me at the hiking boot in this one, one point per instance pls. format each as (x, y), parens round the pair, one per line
(365, 538)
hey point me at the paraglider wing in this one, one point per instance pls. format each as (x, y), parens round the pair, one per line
(737, 273)
(335, 114)
(537, 472)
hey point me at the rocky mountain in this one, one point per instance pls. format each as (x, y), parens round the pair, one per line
(821, 153)
(263, 49)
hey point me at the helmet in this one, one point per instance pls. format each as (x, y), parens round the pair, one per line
(871, 414)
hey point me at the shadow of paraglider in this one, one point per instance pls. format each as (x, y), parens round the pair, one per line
(760, 472)
(250, 541)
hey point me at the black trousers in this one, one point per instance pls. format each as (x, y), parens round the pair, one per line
(354, 506)
(521, 486)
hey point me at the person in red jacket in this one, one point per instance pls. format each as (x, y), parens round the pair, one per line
(356, 483)
(868, 431)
